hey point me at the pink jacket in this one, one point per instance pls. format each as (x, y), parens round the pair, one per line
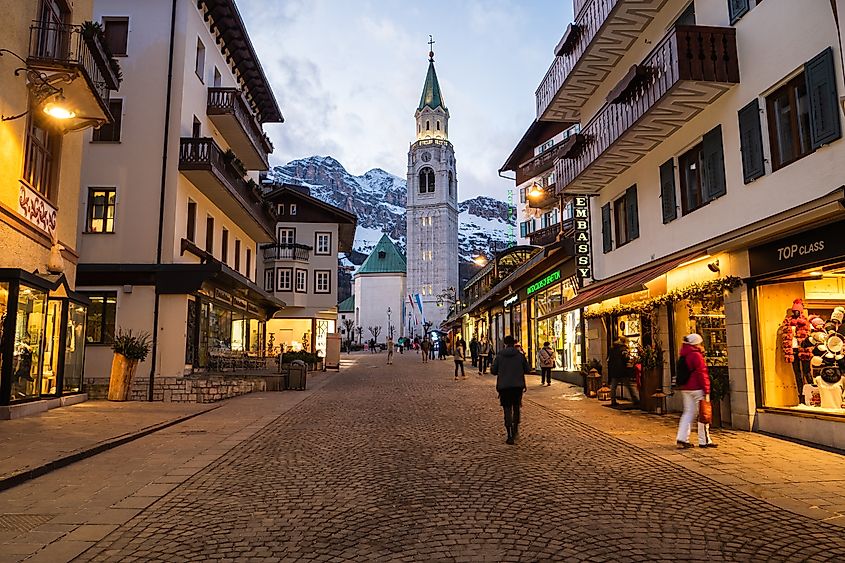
(699, 378)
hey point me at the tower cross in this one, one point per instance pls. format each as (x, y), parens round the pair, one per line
(431, 48)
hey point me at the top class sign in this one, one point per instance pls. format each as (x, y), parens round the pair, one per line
(583, 261)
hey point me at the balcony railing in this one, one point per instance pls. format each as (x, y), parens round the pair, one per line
(548, 199)
(230, 101)
(545, 160)
(204, 157)
(286, 252)
(549, 235)
(704, 56)
(69, 45)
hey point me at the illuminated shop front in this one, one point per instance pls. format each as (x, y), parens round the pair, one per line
(562, 330)
(42, 337)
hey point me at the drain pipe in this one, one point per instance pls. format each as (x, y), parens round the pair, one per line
(162, 190)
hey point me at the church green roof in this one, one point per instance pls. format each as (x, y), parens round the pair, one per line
(384, 259)
(347, 305)
(431, 96)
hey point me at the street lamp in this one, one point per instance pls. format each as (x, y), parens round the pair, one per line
(480, 260)
(389, 327)
(536, 191)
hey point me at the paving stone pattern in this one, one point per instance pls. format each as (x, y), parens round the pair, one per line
(405, 464)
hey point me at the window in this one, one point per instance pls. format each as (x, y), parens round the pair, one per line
(209, 234)
(196, 128)
(116, 31)
(301, 281)
(292, 208)
(702, 172)
(667, 191)
(218, 79)
(322, 281)
(284, 281)
(287, 236)
(789, 122)
(100, 216)
(523, 229)
(237, 255)
(249, 263)
(626, 218)
(427, 126)
(687, 17)
(738, 8)
(451, 183)
(281, 209)
(224, 246)
(199, 65)
(191, 228)
(522, 192)
(426, 180)
(269, 278)
(751, 142)
(323, 244)
(101, 315)
(42, 157)
(438, 125)
(110, 132)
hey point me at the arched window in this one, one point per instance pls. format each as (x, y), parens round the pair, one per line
(451, 184)
(427, 126)
(426, 181)
(438, 125)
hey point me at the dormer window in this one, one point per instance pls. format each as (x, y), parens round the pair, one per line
(381, 254)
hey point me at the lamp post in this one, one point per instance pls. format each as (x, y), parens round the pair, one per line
(389, 326)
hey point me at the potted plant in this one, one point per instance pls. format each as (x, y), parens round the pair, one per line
(129, 351)
(719, 389)
(651, 363)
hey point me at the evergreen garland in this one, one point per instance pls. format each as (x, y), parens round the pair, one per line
(700, 292)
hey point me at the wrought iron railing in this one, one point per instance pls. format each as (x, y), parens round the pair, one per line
(231, 100)
(286, 252)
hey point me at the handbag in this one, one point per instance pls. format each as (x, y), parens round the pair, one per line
(705, 412)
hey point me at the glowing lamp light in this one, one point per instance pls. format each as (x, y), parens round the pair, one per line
(58, 111)
(535, 192)
(480, 260)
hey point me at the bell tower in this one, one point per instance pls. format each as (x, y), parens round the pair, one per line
(432, 204)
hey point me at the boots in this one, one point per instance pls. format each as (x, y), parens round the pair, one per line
(510, 435)
(515, 430)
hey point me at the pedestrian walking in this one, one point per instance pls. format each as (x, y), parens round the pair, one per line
(547, 362)
(620, 370)
(460, 356)
(510, 367)
(473, 351)
(483, 354)
(389, 350)
(694, 383)
(425, 346)
(441, 349)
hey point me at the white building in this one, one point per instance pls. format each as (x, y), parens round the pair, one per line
(171, 211)
(301, 269)
(432, 208)
(380, 295)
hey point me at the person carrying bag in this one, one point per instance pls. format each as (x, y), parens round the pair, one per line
(694, 383)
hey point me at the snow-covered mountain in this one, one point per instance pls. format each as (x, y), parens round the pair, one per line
(378, 198)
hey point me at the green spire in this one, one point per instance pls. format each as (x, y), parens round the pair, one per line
(431, 96)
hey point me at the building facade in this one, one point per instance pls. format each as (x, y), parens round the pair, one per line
(713, 196)
(380, 295)
(56, 76)
(432, 208)
(301, 269)
(171, 214)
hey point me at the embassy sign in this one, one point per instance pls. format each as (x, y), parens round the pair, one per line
(583, 255)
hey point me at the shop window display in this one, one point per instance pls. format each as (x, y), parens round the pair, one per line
(74, 348)
(802, 356)
(29, 330)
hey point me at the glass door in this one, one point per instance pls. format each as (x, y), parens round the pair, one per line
(74, 349)
(52, 344)
(29, 332)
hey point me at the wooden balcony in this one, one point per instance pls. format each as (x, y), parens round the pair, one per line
(74, 59)
(205, 165)
(544, 161)
(232, 116)
(549, 235)
(286, 252)
(686, 72)
(548, 199)
(604, 32)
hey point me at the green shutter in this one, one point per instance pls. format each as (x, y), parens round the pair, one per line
(713, 158)
(631, 210)
(820, 76)
(751, 142)
(606, 235)
(737, 9)
(667, 191)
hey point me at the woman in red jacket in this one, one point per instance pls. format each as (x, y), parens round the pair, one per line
(695, 390)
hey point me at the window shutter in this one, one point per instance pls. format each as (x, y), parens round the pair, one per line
(824, 107)
(751, 142)
(633, 215)
(737, 9)
(667, 191)
(713, 158)
(606, 236)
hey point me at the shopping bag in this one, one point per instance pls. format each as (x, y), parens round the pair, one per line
(705, 412)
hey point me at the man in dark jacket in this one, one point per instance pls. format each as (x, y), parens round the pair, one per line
(510, 367)
(473, 350)
(618, 370)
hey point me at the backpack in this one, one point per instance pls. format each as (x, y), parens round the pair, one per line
(682, 372)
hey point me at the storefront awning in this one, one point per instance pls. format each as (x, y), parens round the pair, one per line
(621, 284)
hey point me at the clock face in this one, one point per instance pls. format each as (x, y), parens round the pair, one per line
(426, 156)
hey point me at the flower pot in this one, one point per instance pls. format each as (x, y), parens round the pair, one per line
(122, 371)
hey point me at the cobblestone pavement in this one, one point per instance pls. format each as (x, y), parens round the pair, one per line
(405, 464)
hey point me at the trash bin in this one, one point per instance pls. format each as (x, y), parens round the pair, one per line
(296, 376)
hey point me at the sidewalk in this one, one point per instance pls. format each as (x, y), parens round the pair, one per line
(802, 479)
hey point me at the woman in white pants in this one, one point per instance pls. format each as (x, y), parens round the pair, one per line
(693, 391)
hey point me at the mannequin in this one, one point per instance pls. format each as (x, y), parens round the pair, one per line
(795, 329)
(831, 387)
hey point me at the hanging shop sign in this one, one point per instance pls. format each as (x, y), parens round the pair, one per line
(33, 207)
(543, 282)
(797, 251)
(223, 296)
(510, 300)
(583, 258)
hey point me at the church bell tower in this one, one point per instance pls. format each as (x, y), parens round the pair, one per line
(432, 207)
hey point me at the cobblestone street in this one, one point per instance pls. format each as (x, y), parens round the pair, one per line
(406, 464)
(403, 463)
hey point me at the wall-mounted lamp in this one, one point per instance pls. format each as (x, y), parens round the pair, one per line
(535, 191)
(714, 266)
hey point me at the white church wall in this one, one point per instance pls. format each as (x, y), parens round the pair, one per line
(374, 293)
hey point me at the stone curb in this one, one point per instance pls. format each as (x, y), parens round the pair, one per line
(25, 475)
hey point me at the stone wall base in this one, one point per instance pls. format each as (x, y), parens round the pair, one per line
(190, 389)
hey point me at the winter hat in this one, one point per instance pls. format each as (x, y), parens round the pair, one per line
(830, 374)
(798, 305)
(817, 322)
(816, 361)
(834, 343)
(829, 328)
(694, 339)
(838, 315)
